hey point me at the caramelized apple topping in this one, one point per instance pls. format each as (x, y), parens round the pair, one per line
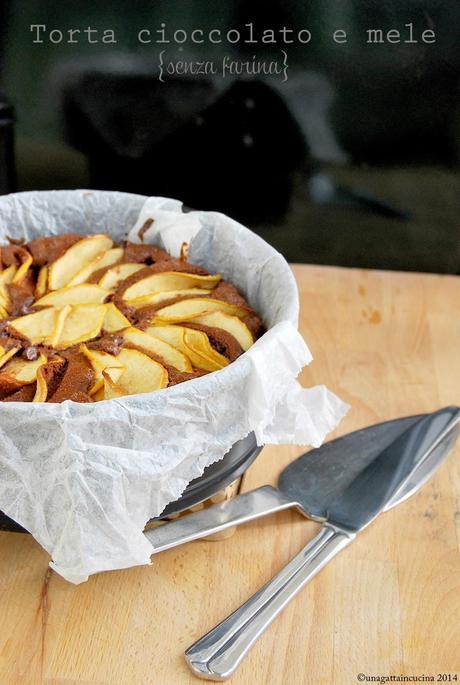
(85, 319)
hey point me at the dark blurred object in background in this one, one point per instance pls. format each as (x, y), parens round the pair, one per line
(417, 113)
(354, 160)
(7, 161)
(232, 150)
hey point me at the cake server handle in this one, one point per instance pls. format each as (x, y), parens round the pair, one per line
(217, 655)
(246, 507)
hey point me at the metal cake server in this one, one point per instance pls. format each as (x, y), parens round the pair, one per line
(395, 473)
(310, 484)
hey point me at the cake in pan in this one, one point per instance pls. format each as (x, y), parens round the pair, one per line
(85, 319)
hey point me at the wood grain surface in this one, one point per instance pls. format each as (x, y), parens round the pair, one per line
(389, 344)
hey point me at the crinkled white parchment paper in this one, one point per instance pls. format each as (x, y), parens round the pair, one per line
(85, 478)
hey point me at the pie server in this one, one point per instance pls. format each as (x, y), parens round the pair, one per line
(395, 472)
(310, 483)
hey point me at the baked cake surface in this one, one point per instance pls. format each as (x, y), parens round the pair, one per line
(85, 319)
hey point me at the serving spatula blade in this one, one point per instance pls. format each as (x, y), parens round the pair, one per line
(217, 655)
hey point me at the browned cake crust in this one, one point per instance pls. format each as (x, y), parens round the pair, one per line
(49, 248)
(76, 379)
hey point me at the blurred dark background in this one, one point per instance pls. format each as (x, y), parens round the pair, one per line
(354, 160)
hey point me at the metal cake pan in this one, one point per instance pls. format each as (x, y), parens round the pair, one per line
(215, 478)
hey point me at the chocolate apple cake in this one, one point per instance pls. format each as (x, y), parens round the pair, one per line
(85, 319)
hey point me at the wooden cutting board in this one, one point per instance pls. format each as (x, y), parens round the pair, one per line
(388, 344)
